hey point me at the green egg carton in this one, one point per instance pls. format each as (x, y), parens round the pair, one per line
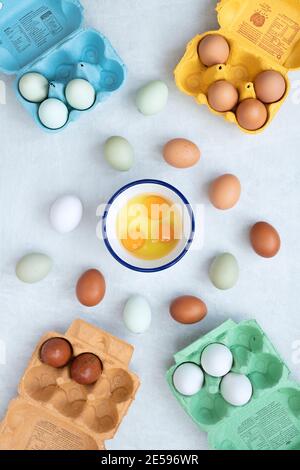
(271, 420)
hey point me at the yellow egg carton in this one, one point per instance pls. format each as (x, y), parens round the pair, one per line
(262, 35)
(53, 412)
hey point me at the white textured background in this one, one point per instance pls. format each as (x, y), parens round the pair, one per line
(36, 168)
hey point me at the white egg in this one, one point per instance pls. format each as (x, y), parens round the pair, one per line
(216, 360)
(236, 389)
(53, 113)
(188, 379)
(66, 214)
(34, 87)
(137, 315)
(80, 94)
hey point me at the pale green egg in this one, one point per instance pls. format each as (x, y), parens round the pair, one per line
(224, 271)
(137, 314)
(119, 153)
(152, 98)
(33, 268)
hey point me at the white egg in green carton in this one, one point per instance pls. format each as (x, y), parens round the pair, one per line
(137, 315)
(33, 268)
(119, 153)
(152, 98)
(224, 271)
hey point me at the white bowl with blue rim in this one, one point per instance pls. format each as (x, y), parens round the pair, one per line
(119, 200)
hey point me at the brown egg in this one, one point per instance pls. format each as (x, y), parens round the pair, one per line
(222, 96)
(188, 310)
(56, 352)
(265, 240)
(86, 369)
(270, 86)
(91, 288)
(181, 153)
(252, 114)
(213, 49)
(225, 192)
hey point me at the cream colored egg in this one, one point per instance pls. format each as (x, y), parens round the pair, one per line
(80, 94)
(34, 87)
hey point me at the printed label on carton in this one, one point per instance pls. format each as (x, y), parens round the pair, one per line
(271, 427)
(46, 435)
(270, 27)
(34, 27)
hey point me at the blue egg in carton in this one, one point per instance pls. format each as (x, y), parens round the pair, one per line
(47, 38)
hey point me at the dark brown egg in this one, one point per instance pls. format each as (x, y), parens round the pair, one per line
(265, 240)
(56, 352)
(188, 310)
(91, 288)
(86, 369)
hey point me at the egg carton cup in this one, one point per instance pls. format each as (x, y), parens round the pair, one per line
(90, 413)
(48, 38)
(271, 420)
(262, 36)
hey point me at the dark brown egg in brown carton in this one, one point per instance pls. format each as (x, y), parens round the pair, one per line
(51, 402)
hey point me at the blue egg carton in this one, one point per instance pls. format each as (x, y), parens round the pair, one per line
(47, 37)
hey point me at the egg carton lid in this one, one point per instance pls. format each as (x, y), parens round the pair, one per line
(30, 427)
(31, 28)
(270, 28)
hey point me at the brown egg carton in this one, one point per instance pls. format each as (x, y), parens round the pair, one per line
(93, 413)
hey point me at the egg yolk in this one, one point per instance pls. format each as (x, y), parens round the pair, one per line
(149, 226)
(155, 206)
(131, 244)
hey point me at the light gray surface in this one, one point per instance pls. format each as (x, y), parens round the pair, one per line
(35, 168)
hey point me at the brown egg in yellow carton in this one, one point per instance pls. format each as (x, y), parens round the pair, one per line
(240, 71)
(55, 412)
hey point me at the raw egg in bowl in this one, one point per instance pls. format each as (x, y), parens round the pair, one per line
(148, 226)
